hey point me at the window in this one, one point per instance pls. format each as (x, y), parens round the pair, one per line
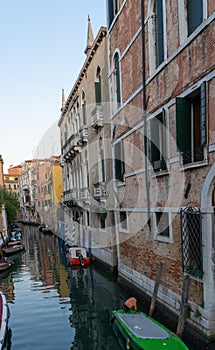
(84, 117)
(119, 161)
(191, 125)
(102, 221)
(123, 221)
(98, 91)
(162, 226)
(156, 33)
(117, 87)
(112, 10)
(159, 30)
(102, 165)
(194, 14)
(158, 142)
(191, 235)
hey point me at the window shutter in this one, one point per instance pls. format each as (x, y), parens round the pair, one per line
(84, 113)
(118, 90)
(203, 114)
(155, 153)
(159, 32)
(119, 161)
(183, 128)
(103, 165)
(98, 93)
(194, 14)
(110, 13)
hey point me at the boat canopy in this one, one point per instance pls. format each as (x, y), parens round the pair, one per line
(143, 327)
(74, 252)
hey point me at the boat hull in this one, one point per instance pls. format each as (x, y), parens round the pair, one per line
(77, 262)
(13, 249)
(143, 332)
(4, 265)
(4, 315)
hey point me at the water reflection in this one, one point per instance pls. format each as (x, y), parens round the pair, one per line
(55, 307)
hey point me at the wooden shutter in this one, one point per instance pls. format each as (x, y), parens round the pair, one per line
(159, 32)
(119, 161)
(203, 114)
(155, 153)
(110, 13)
(194, 14)
(183, 128)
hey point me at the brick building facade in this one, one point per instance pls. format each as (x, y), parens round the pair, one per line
(162, 88)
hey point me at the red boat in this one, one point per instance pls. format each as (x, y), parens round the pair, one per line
(77, 256)
(5, 264)
(13, 249)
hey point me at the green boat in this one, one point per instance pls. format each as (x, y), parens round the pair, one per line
(137, 331)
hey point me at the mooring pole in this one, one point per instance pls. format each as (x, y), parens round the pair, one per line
(183, 308)
(154, 296)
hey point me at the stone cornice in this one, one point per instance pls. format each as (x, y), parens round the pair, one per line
(101, 34)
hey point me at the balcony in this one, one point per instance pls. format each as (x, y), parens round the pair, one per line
(70, 197)
(83, 135)
(97, 117)
(84, 195)
(70, 147)
(100, 193)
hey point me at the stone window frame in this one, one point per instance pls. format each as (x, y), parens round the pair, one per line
(116, 97)
(157, 236)
(152, 36)
(182, 18)
(126, 221)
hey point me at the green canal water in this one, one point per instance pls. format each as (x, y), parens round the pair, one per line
(53, 307)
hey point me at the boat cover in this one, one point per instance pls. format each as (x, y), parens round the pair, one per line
(143, 327)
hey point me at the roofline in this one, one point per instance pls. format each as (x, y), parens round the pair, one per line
(101, 34)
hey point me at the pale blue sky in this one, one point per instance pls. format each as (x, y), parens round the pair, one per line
(42, 50)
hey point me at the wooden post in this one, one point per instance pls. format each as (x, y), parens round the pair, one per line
(154, 296)
(2, 236)
(183, 308)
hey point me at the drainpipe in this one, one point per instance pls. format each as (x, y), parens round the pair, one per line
(145, 114)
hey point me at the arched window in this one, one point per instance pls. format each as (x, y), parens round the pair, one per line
(98, 90)
(84, 116)
(117, 84)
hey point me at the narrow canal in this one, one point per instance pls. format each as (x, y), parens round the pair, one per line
(55, 308)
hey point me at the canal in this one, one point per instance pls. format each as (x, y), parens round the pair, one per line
(53, 307)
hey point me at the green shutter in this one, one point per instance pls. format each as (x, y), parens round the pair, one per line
(98, 93)
(183, 128)
(203, 114)
(159, 32)
(119, 161)
(84, 114)
(155, 153)
(194, 14)
(110, 13)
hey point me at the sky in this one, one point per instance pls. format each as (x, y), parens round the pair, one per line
(42, 51)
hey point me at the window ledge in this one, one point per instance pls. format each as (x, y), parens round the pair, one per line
(160, 173)
(120, 183)
(194, 165)
(163, 239)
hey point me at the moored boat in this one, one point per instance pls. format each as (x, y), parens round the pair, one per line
(13, 249)
(5, 264)
(4, 315)
(139, 331)
(77, 256)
